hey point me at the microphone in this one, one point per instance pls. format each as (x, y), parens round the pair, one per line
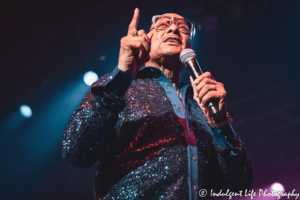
(188, 58)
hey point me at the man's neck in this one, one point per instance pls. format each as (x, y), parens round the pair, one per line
(171, 70)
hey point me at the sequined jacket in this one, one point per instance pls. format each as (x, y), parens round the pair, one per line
(133, 127)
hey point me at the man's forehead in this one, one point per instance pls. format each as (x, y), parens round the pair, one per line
(173, 15)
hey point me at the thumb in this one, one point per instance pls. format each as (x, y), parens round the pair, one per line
(194, 90)
(192, 81)
(150, 35)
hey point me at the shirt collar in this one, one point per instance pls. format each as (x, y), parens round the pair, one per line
(154, 72)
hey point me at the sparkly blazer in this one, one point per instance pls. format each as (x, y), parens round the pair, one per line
(133, 127)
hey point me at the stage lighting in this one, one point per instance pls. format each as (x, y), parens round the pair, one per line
(102, 58)
(277, 187)
(90, 77)
(25, 111)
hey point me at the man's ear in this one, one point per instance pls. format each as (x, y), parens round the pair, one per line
(193, 31)
(190, 42)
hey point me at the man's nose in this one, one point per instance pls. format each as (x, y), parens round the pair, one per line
(173, 28)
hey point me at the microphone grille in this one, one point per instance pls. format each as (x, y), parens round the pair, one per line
(187, 54)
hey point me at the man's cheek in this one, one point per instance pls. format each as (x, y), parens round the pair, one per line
(154, 48)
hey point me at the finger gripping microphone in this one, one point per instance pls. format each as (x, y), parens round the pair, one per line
(188, 58)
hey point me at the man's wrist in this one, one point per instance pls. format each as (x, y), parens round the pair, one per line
(117, 83)
(127, 69)
(225, 120)
(211, 119)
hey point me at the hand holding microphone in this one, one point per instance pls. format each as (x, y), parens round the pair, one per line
(207, 91)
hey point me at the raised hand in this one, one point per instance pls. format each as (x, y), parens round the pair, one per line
(134, 50)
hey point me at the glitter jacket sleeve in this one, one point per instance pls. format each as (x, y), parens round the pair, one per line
(233, 168)
(89, 132)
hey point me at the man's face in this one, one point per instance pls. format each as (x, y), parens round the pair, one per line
(169, 42)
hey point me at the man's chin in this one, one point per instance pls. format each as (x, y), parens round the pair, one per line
(171, 50)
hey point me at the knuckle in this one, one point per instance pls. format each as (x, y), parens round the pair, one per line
(139, 43)
(144, 40)
(209, 95)
(207, 87)
(206, 80)
(123, 40)
(206, 98)
(208, 74)
(200, 95)
(198, 80)
(142, 31)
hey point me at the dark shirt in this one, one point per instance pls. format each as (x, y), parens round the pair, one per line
(150, 145)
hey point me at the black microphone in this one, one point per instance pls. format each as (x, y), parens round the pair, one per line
(188, 58)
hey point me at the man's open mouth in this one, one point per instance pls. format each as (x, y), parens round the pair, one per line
(173, 40)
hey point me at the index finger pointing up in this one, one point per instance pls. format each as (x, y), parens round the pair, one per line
(134, 22)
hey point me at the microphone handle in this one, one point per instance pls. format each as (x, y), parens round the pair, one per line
(195, 71)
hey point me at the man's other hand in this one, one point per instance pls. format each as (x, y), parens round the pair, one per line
(205, 89)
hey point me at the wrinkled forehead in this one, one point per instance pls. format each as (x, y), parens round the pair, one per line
(173, 15)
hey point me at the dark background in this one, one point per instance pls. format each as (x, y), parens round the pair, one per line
(251, 46)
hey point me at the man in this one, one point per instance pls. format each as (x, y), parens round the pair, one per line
(151, 135)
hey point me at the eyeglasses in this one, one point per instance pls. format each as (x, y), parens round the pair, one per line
(163, 22)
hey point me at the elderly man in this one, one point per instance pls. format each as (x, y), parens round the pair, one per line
(150, 134)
